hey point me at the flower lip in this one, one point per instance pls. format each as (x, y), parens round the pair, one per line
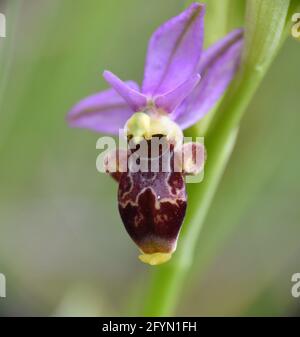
(154, 154)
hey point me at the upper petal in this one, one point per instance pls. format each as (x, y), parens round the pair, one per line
(174, 51)
(169, 101)
(104, 112)
(217, 67)
(134, 98)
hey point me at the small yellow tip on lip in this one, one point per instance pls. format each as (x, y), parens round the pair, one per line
(155, 258)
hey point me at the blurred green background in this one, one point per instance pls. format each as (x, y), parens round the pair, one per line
(63, 248)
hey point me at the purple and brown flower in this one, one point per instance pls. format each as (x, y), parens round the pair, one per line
(182, 82)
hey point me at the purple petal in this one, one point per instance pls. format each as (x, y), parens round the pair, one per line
(135, 100)
(105, 112)
(174, 51)
(217, 68)
(170, 101)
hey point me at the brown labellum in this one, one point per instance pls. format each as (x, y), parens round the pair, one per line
(152, 205)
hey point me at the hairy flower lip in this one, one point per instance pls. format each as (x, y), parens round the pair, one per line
(154, 149)
(152, 209)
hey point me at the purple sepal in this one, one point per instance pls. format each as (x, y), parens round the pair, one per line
(174, 51)
(217, 68)
(105, 112)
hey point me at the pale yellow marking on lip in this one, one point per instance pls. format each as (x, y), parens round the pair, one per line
(155, 258)
(143, 126)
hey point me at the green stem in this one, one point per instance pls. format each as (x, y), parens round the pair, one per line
(168, 280)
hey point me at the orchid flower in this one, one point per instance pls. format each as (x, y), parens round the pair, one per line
(182, 83)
